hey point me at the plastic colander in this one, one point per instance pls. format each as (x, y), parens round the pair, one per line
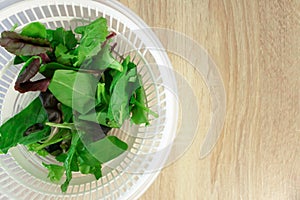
(22, 175)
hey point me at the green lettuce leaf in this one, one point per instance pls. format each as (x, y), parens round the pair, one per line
(119, 101)
(48, 69)
(88, 164)
(11, 132)
(68, 161)
(34, 30)
(64, 56)
(104, 60)
(92, 36)
(62, 36)
(35, 136)
(55, 172)
(107, 148)
(66, 85)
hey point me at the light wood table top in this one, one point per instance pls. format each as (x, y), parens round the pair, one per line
(256, 46)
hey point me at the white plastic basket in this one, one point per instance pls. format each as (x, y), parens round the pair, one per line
(22, 175)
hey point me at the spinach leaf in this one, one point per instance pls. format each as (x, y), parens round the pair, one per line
(61, 36)
(119, 102)
(55, 172)
(66, 85)
(61, 157)
(118, 108)
(74, 163)
(78, 158)
(11, 132)
(48, 69)
(96, 170)
(139, 115)
(100, 116)
(91, 131)
(85, 155)
(102, 102)
(64, 56)
(68, 161)
(63, 42)
(87, 169)
(104, 60)
(20, 59)
(22, 45)
(92, 36)
(88, 164)
(33, 147)
(113, 109)
(34, 30)
(107, 148)
(139, 108)
(15, 26)
(35, 136)
(117, 74)
(102, 97)
(67, 113)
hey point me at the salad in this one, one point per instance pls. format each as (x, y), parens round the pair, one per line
(83, 87)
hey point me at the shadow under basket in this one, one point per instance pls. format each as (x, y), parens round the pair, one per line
(22, 175)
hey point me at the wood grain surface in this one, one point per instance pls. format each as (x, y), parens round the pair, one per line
(256, 46)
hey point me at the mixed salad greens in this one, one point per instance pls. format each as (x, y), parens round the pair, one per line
(83, 87)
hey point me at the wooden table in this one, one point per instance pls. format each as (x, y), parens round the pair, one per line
(256, 46)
